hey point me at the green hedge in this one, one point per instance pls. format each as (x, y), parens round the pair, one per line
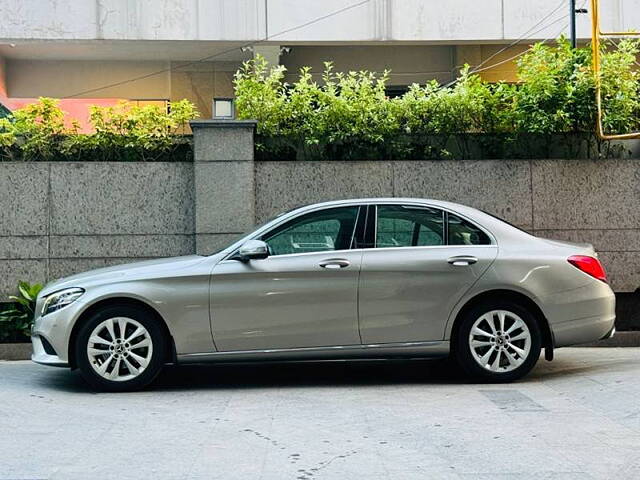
(349, 116)
(125, 132)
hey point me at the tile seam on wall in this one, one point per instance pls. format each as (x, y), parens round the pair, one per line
(49, 215)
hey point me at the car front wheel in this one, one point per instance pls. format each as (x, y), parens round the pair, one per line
(498, 342)
(120, 348)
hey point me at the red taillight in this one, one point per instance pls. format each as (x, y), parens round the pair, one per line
(589, 265)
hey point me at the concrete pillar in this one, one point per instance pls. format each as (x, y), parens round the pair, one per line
(224, 181)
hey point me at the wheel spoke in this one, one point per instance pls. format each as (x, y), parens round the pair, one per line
(115, 372)
(490, 320)
(496, 362)
(521, 336)
(102, 369)
(479, 343)
(513, 361)
(501, 316)
(143, 343)
(122, 326)
(94, 352)
(95, 339)
(518, 350)
(139, 331)
(479, 332)
(133, 370)
(143, 362)
(110, 329)
(484, 360)
(516, 324)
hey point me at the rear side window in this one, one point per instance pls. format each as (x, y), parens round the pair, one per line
(406, 226)
(461, 232)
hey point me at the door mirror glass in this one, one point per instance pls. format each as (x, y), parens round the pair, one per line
(253, 250)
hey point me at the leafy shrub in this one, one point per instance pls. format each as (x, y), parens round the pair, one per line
(122, 132)
(619, 80)
(348, 116)
(17, 319)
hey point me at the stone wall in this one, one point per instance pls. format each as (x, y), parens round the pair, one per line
(581, 201)
(61, 218)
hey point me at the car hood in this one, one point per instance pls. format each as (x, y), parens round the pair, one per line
(147, 268)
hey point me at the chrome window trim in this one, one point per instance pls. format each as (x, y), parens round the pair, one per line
(287, 255)
(285, 218)
(353, 231)
(233, 248)
(444, 211)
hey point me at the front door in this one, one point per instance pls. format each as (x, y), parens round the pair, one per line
(304, 294)
(422, 263)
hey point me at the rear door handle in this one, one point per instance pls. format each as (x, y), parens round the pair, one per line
(335, 263)
(462, 260)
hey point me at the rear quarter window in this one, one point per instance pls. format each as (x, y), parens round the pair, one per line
(462, 232)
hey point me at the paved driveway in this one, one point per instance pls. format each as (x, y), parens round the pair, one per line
(575, 418)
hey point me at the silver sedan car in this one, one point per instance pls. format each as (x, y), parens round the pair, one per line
(368, 278)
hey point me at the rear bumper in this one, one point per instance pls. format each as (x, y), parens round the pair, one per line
(611, 333)
(584, 315)
(583, 330)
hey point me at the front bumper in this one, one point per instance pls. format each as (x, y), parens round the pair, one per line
(41, 356)
(54, 328)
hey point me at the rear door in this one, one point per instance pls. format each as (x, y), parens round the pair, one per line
(421, 262)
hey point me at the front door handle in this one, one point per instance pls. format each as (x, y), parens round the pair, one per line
(335, 263)
(462, 260)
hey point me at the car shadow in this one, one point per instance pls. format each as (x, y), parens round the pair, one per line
(310, 374)
(346, 373)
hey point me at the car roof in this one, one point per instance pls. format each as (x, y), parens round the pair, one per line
(350, 201)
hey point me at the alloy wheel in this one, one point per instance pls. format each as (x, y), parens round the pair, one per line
(119, 349)
(500, 341)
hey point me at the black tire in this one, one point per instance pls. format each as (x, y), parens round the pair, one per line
(157, 356)
(465, 357)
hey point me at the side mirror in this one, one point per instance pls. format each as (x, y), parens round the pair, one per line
(253, 250)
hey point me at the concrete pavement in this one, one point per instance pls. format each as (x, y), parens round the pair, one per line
(574, 418)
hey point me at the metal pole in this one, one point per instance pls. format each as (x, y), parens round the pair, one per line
(572, 23)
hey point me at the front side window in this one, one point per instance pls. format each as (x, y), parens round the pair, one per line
(407, 226)
(324, 230)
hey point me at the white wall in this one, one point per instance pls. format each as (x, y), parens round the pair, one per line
(408, 64)
(245, 20)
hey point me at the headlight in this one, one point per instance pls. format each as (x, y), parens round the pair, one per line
(57, 300)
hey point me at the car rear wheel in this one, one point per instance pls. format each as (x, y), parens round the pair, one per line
(498, 342)
(120, 348)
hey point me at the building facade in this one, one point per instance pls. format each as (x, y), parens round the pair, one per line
(100, 51)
